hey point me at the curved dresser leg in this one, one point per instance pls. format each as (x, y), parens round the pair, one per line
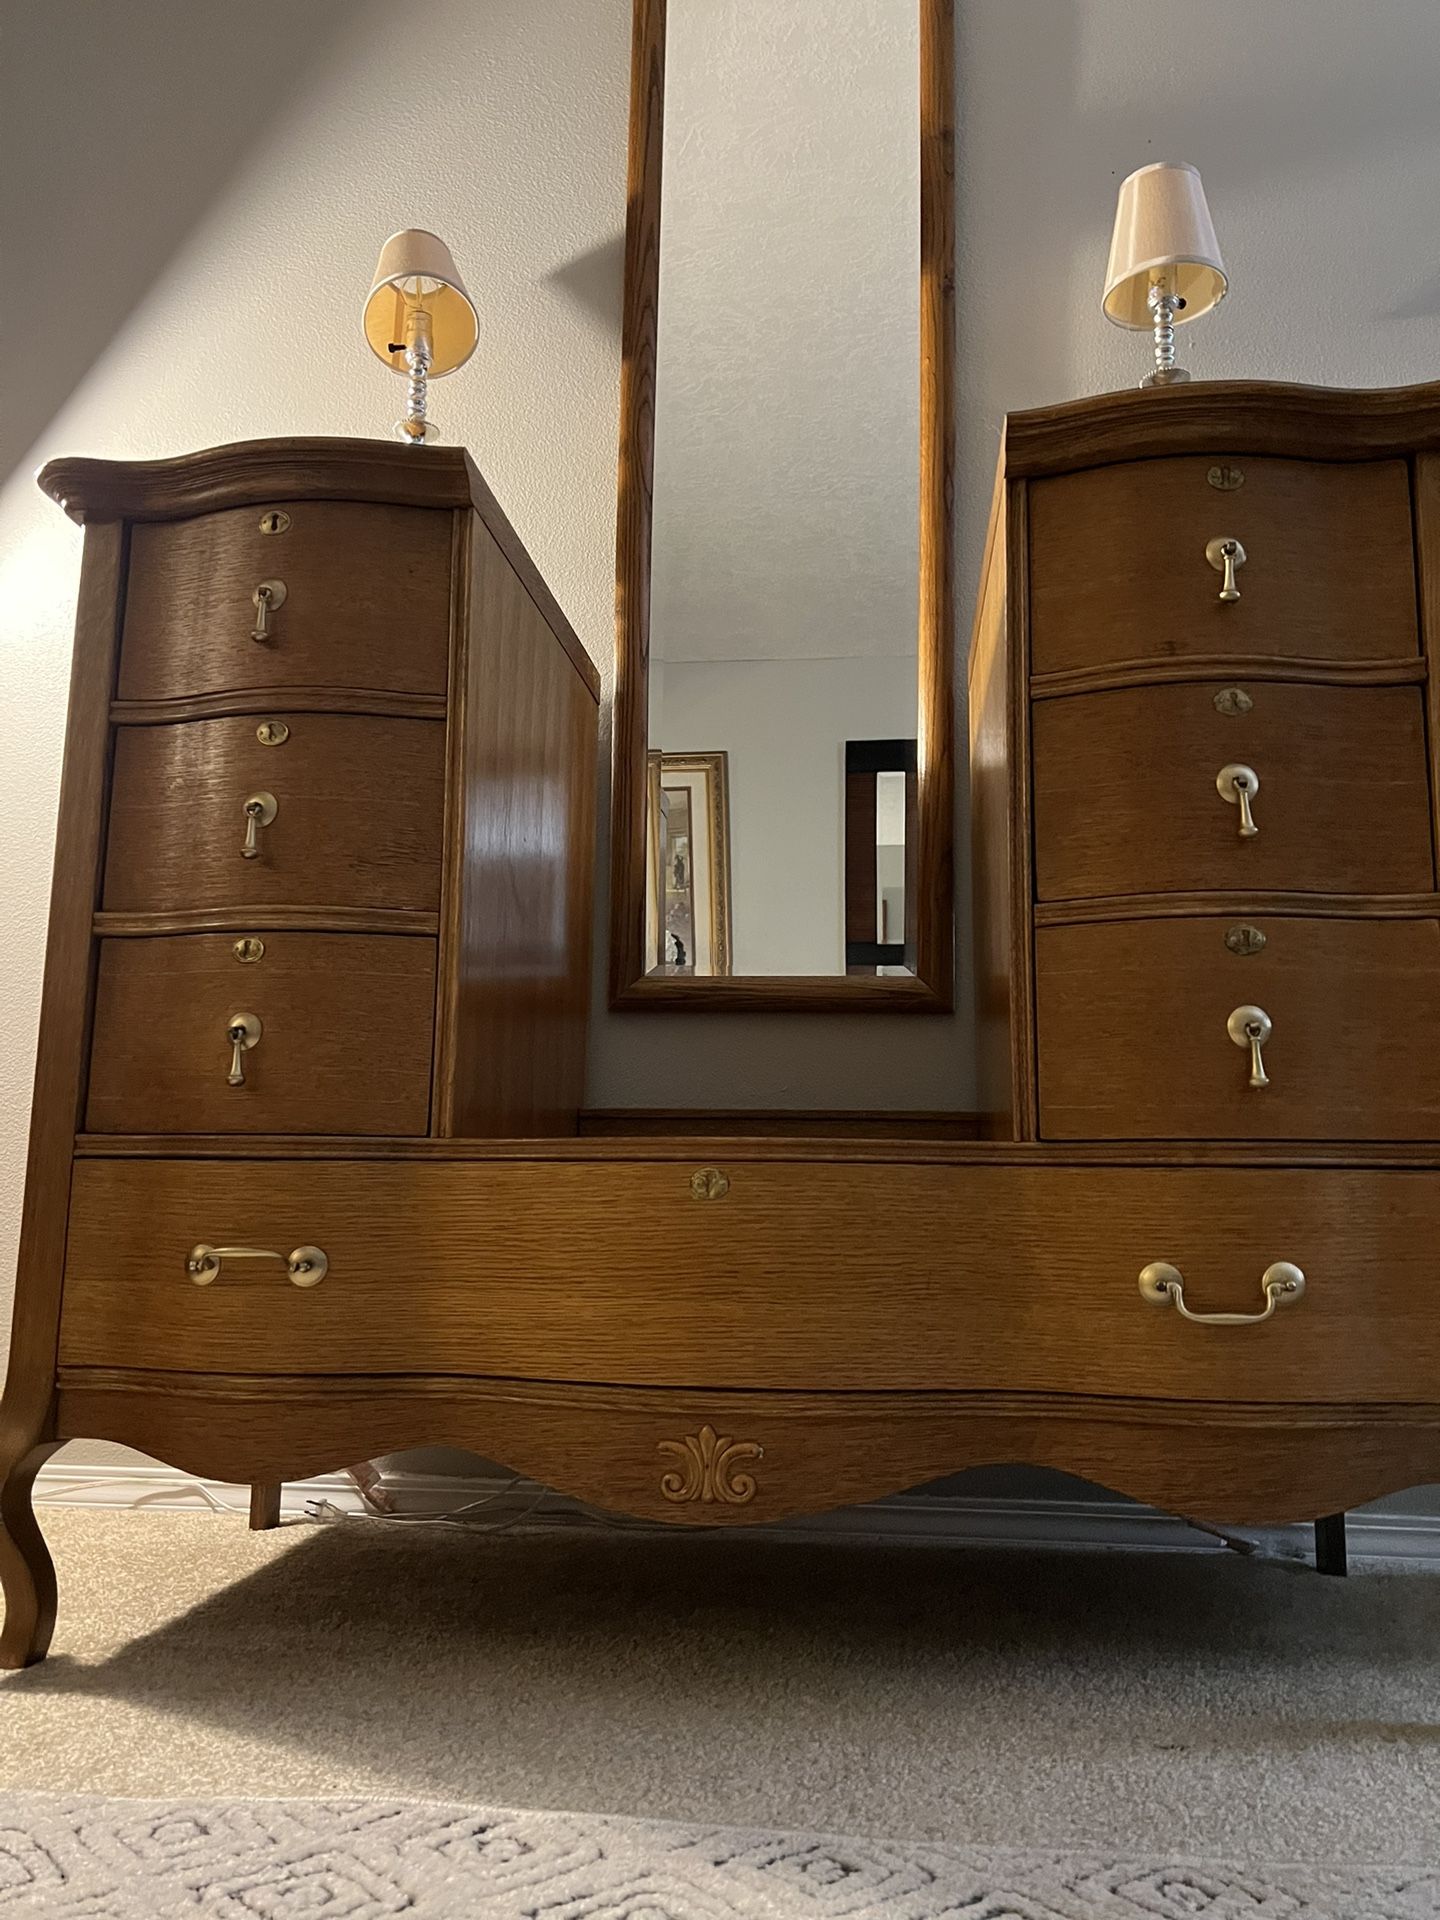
(27, 1573)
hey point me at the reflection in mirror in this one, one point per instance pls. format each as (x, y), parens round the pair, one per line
(688, 915)
(783, 690)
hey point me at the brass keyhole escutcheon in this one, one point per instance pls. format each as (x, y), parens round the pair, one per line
(1233, 700)
(249, 950)
(1245, 939)
(709, 1184)
(272, 733)
(1226, 479)
(274, 520)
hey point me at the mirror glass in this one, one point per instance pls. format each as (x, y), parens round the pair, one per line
(783, 695)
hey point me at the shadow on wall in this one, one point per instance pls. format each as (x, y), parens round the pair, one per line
(130, 174)
(1260, 99)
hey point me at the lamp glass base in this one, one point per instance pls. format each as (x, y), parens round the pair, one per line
(1166, 377)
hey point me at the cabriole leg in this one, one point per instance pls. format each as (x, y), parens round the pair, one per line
(27, 1573)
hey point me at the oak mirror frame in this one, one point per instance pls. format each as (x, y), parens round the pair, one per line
(926, 984)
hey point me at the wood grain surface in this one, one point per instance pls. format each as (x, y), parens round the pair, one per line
(1225, 418)
(1119, 573)
(347, 1022)
(306, 919)
(259, 472)
(894, 1278)
(27, 1408)
(930, 935)
(216, 706)
(359, 818)
(1126, 801)
(996, 772)
(726, 1149)
(930, 870)
(263, 473)
(515, 980)
(635, 485)
(1427, 538)
(1133, 1044)
(1229, 1464)
(367, 601)
(780, 1123)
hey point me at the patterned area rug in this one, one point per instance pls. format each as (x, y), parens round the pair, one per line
(93, 1859)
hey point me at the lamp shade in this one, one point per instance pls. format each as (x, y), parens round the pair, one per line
(415, 272)
(1163, 235)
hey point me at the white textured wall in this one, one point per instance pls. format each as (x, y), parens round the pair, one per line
(784, 724)
(177, 172)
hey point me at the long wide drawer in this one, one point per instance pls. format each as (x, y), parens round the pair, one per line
(336, 1034)
(805, 1276)
(1137, 790)
(1135, 1041)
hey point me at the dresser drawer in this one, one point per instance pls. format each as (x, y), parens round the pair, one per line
(1132, 1034)
(1126, 795)
(345, 1025)
(1005, 1279)
(1118, 566)
(357, 816)
(367, 601)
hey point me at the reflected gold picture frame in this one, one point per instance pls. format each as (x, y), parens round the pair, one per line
(708, 775)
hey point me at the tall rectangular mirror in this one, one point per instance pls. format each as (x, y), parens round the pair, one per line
(784, 750)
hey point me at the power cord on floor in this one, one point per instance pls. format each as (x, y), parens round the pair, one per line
(323, 1509)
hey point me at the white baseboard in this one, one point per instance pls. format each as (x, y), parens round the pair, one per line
(917, 1519)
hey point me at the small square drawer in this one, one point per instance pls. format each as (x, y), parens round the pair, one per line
(1139, 790)
(357, 596)
(1126, 562)
(269, 809)
(266, 1032)
(1142, 1029)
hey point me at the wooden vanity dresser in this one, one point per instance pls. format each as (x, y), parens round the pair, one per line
(1198, 1258)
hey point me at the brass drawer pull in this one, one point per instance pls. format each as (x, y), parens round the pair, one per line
(260, 811)
(243, 1031)
(1251, 1027)
(1163, 1285)
(1225, 554)
(307, 1266)
(1237, 785)
(268, 598)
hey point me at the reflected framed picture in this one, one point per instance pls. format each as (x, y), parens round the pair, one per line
(687, 921)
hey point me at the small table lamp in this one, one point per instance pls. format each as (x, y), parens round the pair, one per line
(1165, 261)
(418, 319)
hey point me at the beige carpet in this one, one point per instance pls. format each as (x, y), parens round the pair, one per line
(1150, 1705)
(61, 1859)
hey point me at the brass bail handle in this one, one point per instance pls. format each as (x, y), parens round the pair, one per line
(307, 1266)
(1225, 554)
(1251, 1027)
(1238, 785)
(1282, 1283)
(243, 1031)
(260, 810)
(267, 599)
